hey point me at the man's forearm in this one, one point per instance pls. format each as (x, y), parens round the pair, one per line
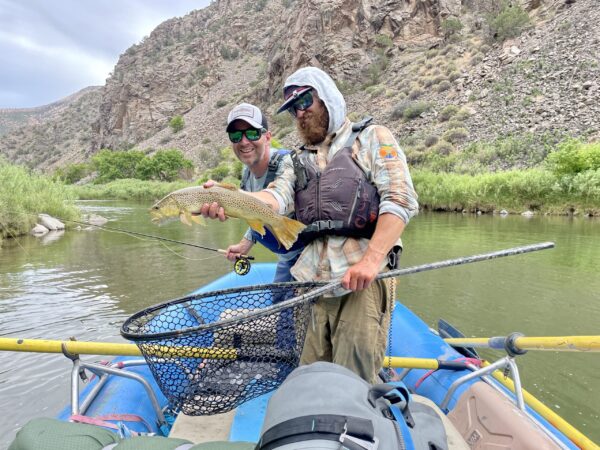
(388, 230)
(266, 197)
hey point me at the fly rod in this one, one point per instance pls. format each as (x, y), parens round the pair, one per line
(241, 266)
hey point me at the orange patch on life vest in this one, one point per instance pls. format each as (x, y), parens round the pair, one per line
(388, 152)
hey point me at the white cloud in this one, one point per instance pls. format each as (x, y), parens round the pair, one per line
(49, 50)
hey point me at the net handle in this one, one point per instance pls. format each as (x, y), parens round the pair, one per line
(322, 289)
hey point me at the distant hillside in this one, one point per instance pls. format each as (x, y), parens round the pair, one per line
(428, 69)
(13, 118)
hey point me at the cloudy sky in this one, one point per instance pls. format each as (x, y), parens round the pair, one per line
(52, 48)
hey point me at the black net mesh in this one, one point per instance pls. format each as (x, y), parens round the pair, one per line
(211, 352)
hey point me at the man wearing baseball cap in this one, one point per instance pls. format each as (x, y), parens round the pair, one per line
(350, 185)
(250, 138)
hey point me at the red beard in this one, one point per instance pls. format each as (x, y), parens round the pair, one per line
(313, 125)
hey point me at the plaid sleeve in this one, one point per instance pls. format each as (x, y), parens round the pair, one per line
(388, 170)
(282, 188)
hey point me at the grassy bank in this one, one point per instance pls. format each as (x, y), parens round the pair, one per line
(23, 195)
(133, 189)
(127, 189)
(516, 191)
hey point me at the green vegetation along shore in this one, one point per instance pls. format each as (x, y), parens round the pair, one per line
(24, 194)
(566, 181)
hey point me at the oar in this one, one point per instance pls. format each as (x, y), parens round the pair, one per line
(109, 348)
(556, 343)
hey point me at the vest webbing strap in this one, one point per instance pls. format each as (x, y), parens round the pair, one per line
(324, 225)
(274, 162)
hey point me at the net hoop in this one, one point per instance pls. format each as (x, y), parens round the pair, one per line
(319, 288)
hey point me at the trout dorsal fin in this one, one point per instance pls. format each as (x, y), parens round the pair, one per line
(231, 187)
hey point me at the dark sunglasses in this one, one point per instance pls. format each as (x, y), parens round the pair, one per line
(252, 134)
(304, 102)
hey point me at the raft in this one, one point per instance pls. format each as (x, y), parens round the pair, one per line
(476, 410)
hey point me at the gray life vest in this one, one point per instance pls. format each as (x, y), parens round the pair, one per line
(339, 200)
(326, 406)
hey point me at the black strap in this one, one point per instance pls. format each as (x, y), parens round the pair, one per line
(300, 171)
(324, 426)
(323, 225)
(245, 177)
(272, 168)
(357, 129)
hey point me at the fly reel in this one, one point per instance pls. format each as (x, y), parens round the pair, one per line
(241, 265)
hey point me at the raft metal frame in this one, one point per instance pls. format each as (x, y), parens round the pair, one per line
(103, 372)
(484, 373)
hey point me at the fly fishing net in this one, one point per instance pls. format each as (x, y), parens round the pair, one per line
(211, 352)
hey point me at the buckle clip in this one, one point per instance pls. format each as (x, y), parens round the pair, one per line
(367, 445)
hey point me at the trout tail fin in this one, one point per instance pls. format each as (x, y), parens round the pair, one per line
(286, 231)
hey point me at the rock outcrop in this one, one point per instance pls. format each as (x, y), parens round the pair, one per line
(383, 53)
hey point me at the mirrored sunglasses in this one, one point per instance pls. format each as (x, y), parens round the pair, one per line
(304, 102)
(252, 134)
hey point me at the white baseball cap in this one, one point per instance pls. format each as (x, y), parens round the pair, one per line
(249, 114)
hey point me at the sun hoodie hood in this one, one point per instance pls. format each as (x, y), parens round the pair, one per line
(327, 90)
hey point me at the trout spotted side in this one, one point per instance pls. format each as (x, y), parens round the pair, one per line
(185, 204)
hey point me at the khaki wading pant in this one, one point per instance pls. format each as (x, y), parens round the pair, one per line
(351, 330)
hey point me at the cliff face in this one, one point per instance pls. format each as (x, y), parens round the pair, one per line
(383, 54)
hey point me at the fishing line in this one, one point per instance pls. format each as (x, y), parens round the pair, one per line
(13, 236)
(241, 265)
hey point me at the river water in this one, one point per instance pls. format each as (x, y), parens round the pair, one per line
(86, 283)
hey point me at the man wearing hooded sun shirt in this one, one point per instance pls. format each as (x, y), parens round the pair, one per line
(350, 325)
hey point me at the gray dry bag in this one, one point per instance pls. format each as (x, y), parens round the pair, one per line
(326, 406)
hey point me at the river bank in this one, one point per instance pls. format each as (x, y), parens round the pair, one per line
(23, 194)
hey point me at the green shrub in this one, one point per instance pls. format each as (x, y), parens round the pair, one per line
(453, 76)
(415, 94)
(176, 123)
(220, 103)
(383, 40)
(219, 172)
(259, 5)
(443, 86)
(229, 53)
(455, 135)
(451, 27)
(573, 156)
(164, 165)
(72, 173)
(509, 22)
(415, 109)
(431, 140)
(112, 165)
(443, 148)
(446, 113)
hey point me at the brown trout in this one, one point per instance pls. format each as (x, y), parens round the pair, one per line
(185, 204)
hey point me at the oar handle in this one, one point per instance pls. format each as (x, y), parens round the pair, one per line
(556, 343)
